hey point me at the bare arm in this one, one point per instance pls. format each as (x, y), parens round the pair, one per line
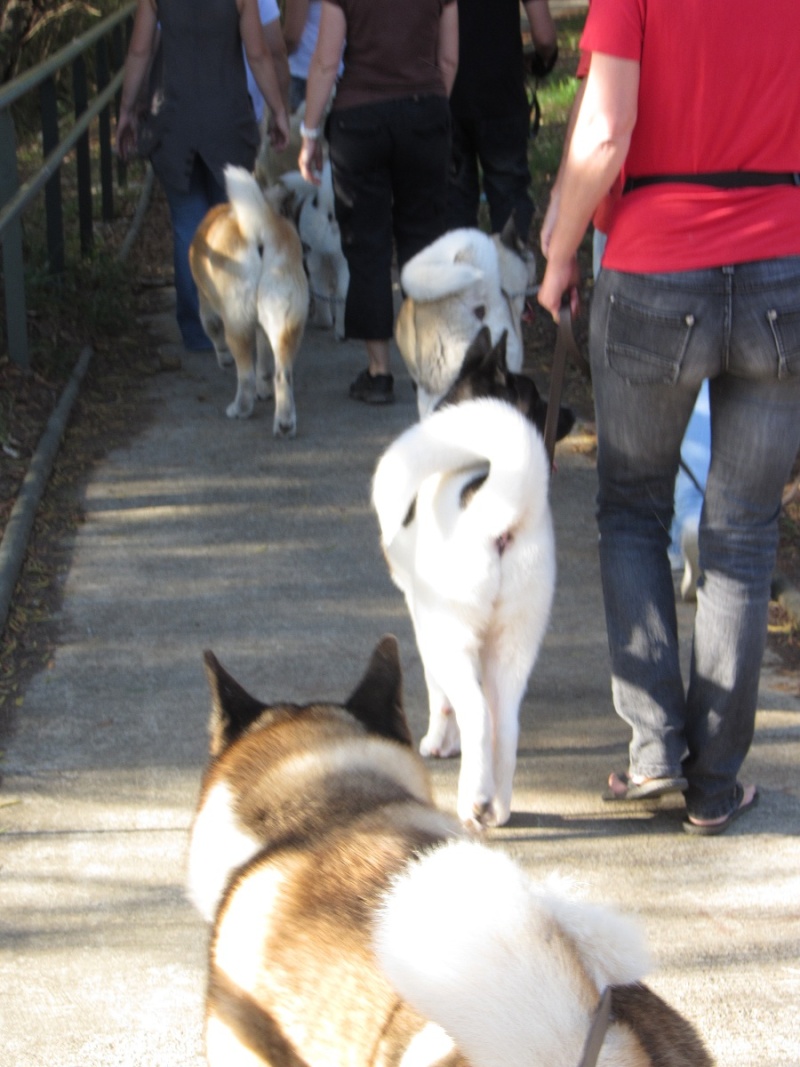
(295, 16)
(447, 54)
(137, 64)
(596, 153)
(276, 46)
(555, 193)
(321, 77)
(543, 28)
(260, 62)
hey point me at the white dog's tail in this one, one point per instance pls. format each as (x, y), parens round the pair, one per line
(504, 965)
(248, 203)
(484, 432)
(451, 264)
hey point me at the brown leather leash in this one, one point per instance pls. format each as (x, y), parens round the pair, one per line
(565, 346)
(597, 1031)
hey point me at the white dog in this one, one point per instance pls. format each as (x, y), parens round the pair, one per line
(461, 282)
(312, 208)
(247, 263)
(462, 502)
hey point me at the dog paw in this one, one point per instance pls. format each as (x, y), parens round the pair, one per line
(238, 411)
(436, 748)
(284, 429)
(224, 358)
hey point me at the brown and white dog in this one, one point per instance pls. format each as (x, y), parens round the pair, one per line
(353, 925)
(247, 262)
(461, 282)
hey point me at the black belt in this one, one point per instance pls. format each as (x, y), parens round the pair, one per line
(720, 179)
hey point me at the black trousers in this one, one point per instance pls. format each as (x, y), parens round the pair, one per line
(494, 150)
(390, 164)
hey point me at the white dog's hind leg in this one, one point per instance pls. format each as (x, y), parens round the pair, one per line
(263, 375)
(443, 738)
(458, 673)
(215, 329)
(242, 349)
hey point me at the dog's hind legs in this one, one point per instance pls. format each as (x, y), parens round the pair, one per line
(242, 405)
(284, 348)
(443, 738)
(263, 375)
(215, 328)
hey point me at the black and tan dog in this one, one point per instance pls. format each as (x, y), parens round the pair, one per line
(353, 924)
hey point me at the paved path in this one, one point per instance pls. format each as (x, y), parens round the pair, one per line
(207, 533)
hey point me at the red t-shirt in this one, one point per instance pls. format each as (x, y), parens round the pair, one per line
(719, 90)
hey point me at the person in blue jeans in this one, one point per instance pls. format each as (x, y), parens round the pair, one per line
(201, 116)
(700, 282)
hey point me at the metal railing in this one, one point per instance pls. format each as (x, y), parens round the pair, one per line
(107, 38)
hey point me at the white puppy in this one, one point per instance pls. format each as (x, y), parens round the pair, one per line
(462, 502)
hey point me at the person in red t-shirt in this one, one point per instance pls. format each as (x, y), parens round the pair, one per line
(700, 281)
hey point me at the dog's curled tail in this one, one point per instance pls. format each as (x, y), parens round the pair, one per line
(501, 963)
(248, 203)
(486, 432)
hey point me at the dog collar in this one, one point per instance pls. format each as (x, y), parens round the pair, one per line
(597, 1031)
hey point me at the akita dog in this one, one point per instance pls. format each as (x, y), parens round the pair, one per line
(313, 211)
(462, 503)
(247, 262)
(351, 926)
(461, 282)
(485, 373)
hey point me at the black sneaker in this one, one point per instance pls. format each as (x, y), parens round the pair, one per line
(373, 389)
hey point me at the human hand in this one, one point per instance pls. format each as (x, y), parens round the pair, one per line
(278, 130)
(310, 160)
(560, 279)
(126, 136)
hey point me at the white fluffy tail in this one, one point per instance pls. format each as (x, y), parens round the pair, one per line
(477, 432)
(498, 961)
(248, 203)
(451, 264)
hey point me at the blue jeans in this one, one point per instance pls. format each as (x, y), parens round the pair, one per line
(653, 340)
(187, 210)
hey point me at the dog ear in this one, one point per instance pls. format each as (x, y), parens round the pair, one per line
(232, 707)
(478, 353)
(377, 701)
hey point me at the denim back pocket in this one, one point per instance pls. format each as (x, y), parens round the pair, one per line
(645, 346)
(785, 327)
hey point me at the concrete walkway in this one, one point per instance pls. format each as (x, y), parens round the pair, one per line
(208, 533)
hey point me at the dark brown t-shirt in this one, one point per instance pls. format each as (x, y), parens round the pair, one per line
(206, 108)
(390, 50)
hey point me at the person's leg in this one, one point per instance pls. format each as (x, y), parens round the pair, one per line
(419, 173)
(649, 357)
(755, 435)
(360, 151)
(503, 155)
(463, 186)
(187, 210)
